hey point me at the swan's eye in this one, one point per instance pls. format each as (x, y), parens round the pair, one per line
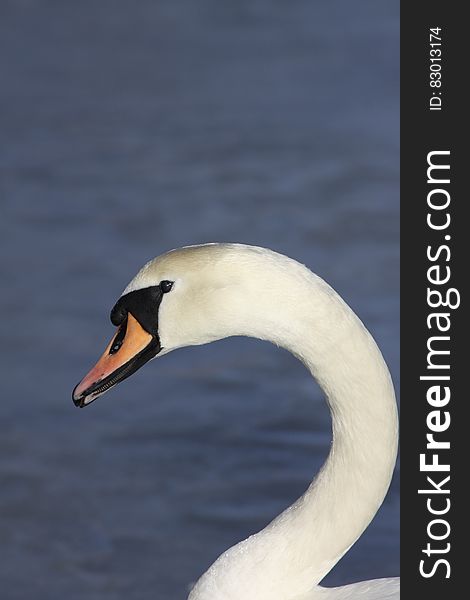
(166, 286)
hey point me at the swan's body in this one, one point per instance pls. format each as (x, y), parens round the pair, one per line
(222, 290)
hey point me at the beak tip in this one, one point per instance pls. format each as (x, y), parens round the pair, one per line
(78, 399)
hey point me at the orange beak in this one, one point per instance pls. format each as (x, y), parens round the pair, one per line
(130, 348)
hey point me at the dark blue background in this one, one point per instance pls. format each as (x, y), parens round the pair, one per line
(128, 128)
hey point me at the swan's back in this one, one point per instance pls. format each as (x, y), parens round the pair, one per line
(375, 589)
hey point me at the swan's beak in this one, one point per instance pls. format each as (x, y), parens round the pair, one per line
(130, 348)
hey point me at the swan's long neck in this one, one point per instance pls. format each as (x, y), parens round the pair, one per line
(303, 314)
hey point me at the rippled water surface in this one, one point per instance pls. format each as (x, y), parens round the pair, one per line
(130, 128)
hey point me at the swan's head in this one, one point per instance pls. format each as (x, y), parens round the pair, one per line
(186, 297)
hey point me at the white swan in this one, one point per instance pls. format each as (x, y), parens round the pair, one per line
(199, 294)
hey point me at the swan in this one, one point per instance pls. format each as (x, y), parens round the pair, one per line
(199, 294)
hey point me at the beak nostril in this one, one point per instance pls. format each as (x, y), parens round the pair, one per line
(115, 348)
(119, 339)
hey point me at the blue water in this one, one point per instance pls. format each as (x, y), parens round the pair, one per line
(127, 129)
